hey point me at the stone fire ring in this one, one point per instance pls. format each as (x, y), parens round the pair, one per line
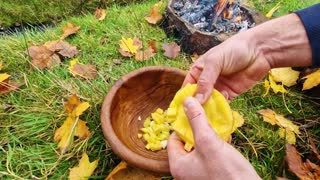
(195, 41)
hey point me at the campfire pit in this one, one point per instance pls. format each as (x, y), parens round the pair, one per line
(203, 24)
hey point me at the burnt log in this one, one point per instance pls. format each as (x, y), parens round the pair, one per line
(193, 40)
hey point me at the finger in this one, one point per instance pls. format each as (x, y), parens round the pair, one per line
(175, 148)
(206, 82)
(203, 134)
(194, 72)
(197, 118)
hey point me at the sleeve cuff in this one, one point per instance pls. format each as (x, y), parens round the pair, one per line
(310, 18)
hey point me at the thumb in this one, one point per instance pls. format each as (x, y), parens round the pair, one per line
(203, 134)
(206, 81)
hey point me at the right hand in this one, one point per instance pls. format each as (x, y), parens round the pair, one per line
(231, 67)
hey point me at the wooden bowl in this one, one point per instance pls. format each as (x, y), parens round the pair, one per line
(138, 93)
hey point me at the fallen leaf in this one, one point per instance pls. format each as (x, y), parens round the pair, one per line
(84, 170)
(100, 14)
(274, 9)
(43, 57)
(287, 76)
(69, 30)
(144, 55)
(298, 167)
(289, 135)
(61, 47)
(312, 80)
(314, 149)
(128, 47)
(194, 57)
(171, 50)
(277, 119)
(153, 45)
(72, 126)
(154, 16)
(124, 171)
(274, 86)
(82, 70)
(5, 85)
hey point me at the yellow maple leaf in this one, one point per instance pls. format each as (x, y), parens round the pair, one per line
(274, 86)
(272, 10)
(277, 119)
(312, 80)
(84, 170)
(289, 135)
(128, 45)
(287, 76)
(72, 126)
(4, 76)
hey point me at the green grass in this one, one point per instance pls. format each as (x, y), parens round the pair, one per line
(50, 11)
(31, 115)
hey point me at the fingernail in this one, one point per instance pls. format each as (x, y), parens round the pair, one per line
(199, 97)
(188, 104)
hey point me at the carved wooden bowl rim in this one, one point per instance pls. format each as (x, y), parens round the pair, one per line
(118, 147)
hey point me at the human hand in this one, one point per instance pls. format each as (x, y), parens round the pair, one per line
(212, 158)
(232, 68)
(240, 62)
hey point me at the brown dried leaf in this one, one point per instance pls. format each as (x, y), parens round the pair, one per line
(144, 55)
(7, 86)
(171, 50)
(61, 47)
(153, 45)
(82, 70)
(296, 165)
(100, 14)
(124, 171)
(69, 29)
(314, 149)
(154, 15)
(42, 57)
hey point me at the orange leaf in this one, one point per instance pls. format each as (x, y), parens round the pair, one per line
(84, 169)
(5, 85)
(194, 57)
(153, 45)
(124, 171)
(171, 50)
(69, 30)
(154, 15)
(72, 126)
(100, 14)
(144, 55)
(82, 70)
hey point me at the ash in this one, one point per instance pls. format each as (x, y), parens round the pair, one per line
(200, 13)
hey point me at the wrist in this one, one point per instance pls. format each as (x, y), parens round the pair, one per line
(282, 42)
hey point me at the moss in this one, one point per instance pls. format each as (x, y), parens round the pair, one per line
(39, 11)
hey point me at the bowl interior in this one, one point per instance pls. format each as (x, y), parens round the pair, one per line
(136, 96)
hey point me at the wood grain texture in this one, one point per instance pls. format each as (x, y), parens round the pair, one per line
(138, 93)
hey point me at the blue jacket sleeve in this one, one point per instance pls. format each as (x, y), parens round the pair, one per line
(310, 18)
